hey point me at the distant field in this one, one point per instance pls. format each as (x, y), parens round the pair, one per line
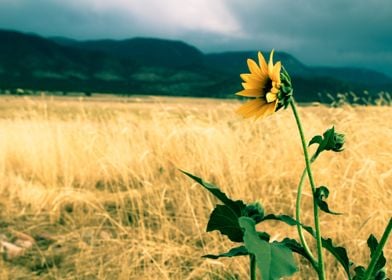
(96, 181)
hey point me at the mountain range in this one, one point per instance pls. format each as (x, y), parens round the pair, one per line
(157, 66)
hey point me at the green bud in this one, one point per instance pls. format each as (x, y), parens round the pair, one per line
(330, 141)
(338, 142)
(335, 141)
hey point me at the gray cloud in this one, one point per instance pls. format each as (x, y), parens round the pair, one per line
(334, 32)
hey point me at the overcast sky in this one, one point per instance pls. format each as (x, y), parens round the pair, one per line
(317, 32)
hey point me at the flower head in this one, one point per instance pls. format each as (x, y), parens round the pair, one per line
(264, 85)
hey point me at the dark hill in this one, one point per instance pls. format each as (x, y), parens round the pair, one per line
(145, 51)
(155, 66)
(34, 62)
(353, 75)
(232, 62)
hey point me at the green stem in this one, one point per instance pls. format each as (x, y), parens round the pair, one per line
(252, 271)
(298, 218)
(320, 270)
(378, 252)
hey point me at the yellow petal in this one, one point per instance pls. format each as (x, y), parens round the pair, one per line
(250, 108)
(245, 77)
(251, 93)
(253, 84)
(261, 112)
(275, 75)
(248, 77)
(271, 63)
(276, 84)
(263, 64)
(254, 69)
(250, 86)
(267, 110)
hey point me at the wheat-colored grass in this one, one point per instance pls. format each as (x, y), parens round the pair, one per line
(100, 177)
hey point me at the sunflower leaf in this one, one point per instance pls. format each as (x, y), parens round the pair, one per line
(234, 252)
(236, 206)
(378, 272)
(339, 253)
(359, 273)
(225, 220)
(274, 260)
(289, 221)
(321, 194)
(294, 246)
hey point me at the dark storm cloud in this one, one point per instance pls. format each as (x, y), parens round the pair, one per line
(330, 32)
(333, 32)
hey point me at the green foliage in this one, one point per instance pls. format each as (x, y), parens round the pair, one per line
(237, 221)
(381, 262)
(274, 260)
(378, 272)
(330, 141)
(234, 252)
(321, 194)
(225, 220)
(236, 206)
(340, 253)
(254, 211)
(294, 246)
(286, 90)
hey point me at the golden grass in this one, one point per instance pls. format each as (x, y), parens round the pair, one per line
(101, 178)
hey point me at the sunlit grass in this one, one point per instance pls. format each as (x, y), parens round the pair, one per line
(99, 176)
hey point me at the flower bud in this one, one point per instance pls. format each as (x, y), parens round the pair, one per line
(334, 141)
(330, 141)
(338, 142)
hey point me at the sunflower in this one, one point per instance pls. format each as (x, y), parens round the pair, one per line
(263, 85)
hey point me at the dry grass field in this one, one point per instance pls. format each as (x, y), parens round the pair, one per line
(96, 183)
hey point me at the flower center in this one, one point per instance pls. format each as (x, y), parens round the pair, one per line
(267, 86)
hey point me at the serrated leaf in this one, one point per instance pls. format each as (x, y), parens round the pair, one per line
(316, 140)
(225, 220)
(339, 253)
(274, 260)
(321, 194)
(378, 272)
(381, 275)
(359, 273)
(236, 206)
(234, 252)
